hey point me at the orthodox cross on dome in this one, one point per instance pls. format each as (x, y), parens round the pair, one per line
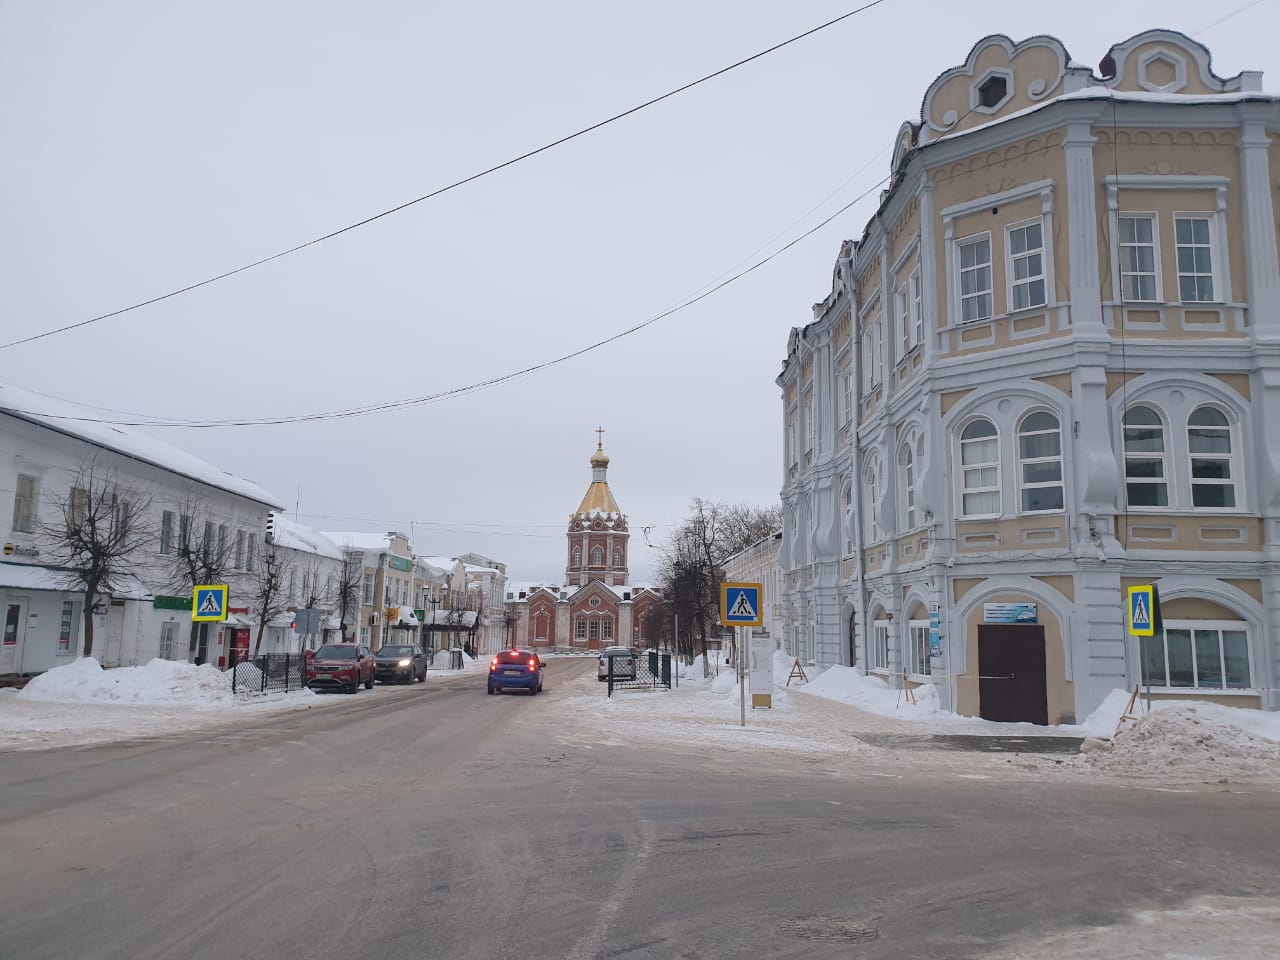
(599, 438)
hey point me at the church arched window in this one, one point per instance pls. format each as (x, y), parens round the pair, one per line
(617, 556)
(577, 556)
(597, 557)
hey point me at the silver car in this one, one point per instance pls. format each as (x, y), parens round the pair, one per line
(623, 660)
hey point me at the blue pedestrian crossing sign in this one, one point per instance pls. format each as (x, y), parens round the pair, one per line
(740, 605)
(209, 602)
(1142, 611)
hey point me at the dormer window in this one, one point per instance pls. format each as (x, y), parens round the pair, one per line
(991, 91)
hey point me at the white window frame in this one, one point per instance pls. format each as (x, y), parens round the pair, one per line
(26, 506)
(1121, 245)
(878, 647)
(910, 474)
(848, 539)
(580, 629)
(1011, 259)
(366, 593)
(902, 318)
(810, 423)
(962, 297)
(871, 512)
(1239, 626)
(793, 440)
(1212, 245)
(1163, 457)
(918, 645)
(965, 468)
(1023, 462)
(1231, 458)
(917, 309)
(166, 532)
(168, 639)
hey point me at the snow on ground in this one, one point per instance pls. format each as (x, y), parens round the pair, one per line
(1207, 928)
(470, 664)
(80, 703)
(843, 715)
(1197, 741)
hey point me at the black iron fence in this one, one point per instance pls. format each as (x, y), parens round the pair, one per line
(643, 670)
(267, 673)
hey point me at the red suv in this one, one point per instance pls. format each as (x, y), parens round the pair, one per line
(341, 666)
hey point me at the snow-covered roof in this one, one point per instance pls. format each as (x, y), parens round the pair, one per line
(1120, 96)
(84, 424)
(431, 571)
(444, 563)
(296, 536)
(452, 618)
(473, 568)
(359, 540)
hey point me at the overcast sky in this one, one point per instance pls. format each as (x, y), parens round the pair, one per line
(151, 145)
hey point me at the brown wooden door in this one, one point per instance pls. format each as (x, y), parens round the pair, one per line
(1011, 685)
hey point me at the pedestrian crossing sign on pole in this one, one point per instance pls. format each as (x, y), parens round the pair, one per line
(209, 602)
(1143, 607)
(740, 605)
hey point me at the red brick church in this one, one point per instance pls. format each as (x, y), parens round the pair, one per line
(595, 607)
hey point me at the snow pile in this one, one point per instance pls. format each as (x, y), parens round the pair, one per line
(782, 664)
(443, 660)
(160, 682)
(725, 682)
(699, 671)
(847, 685)
(248, 678)
(1188, 740)
(1102, 722)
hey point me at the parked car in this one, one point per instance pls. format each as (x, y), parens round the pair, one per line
(623, 660)
(515, 669)
(401, 662)
(341, 666)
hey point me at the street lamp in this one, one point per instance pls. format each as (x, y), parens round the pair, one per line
(435, 599)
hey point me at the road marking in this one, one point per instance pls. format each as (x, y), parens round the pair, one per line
(589, 946)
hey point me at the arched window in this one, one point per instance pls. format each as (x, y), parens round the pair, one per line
(1145, 477)
(580, 629)
(980, 466)
(617, 556)
(846, 498)
(597, 557)
(1209, 443)
(907, 461)
(1040, 462)
(871, 512)
(577, 556)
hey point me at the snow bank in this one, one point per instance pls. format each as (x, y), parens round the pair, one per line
(847, 685)
(160, 682)
(725, 682)
(1193, 740)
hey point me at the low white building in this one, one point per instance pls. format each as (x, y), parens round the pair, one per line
(758, 563)
(47, 448)
(310, 566)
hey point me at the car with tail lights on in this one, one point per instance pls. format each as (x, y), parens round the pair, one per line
(341, 666)
(515, 670)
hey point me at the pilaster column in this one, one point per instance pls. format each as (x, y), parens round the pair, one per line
(1262, 270)
(1082, 231)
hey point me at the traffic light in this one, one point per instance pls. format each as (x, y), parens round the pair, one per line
(271, 528)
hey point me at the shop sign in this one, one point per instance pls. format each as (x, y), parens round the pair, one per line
(1010, 613)
(17, 550)
(402, 564)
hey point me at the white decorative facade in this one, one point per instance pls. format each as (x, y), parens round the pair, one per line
(1048, 371)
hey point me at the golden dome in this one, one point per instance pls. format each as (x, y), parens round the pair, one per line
(598, 459)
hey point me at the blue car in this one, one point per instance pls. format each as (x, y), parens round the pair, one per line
(515, 670)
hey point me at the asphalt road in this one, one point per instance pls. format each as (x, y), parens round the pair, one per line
(435, 821)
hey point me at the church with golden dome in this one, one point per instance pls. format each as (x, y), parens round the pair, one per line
(595, 607)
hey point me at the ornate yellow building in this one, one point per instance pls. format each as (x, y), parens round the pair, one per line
(1050, 370)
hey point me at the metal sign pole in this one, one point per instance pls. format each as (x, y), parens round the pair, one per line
(742, 675)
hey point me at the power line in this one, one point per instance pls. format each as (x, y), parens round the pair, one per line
(388, 405)
(452, 186)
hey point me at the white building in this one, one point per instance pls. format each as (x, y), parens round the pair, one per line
(758, 563)
(44, 446)
(311, 571)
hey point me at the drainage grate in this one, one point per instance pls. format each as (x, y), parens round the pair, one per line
(829, 929)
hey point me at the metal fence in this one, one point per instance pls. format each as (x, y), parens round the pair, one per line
(267, 673)
(646, 670)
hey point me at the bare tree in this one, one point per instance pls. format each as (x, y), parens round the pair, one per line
(692, 568)
(100, 527)
(348, 591)
(270, 587)
(197, 553)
